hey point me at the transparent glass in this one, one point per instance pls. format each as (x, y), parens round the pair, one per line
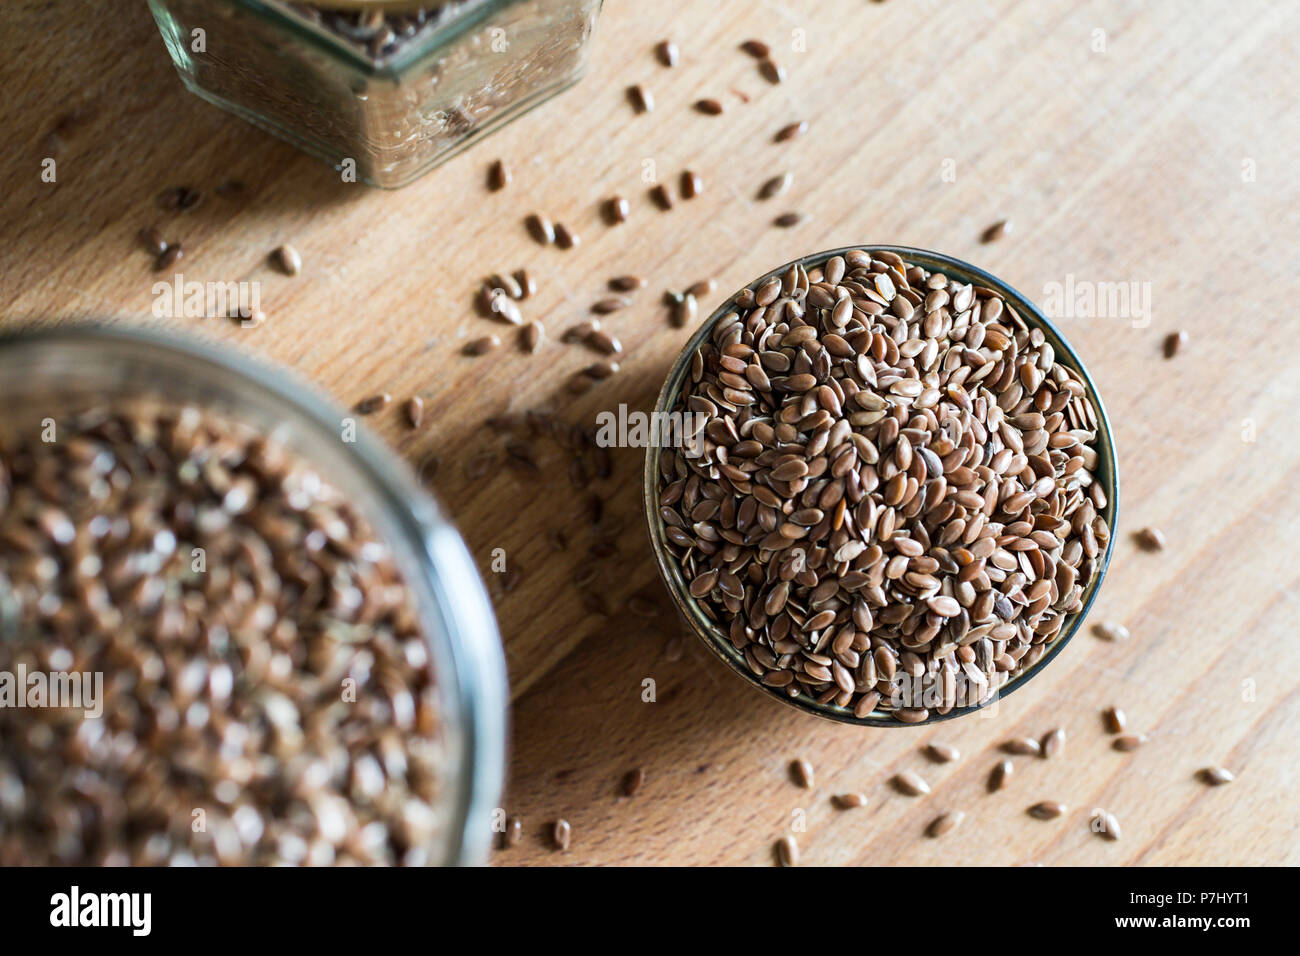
(1107, 472)
(78, 366)
(395, 114)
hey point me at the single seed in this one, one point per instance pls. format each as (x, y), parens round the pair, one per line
(945, 823)
(628, 283)
(514, 832)
(849, 801)
(787, 851)
(710, 107)
(498, 176)
(1217, 776)
(601, 370)
(169, 257)
(373, 403)
(643, 100)
(757, 49)
(1129, 742)
(684, 311)
(788, 220)
(603, 342)
(414, 411)
(1115, 720)
(1105, 825)
(581, 332)
(771, 71)
(1047, 810)
(1001, 775)
(667, 53)
(607, 305)
(152, 240)
(531, 336)
(702, 288)
(660, 196)
(527, 284)
(481, 345)
(1175, 341)
(1024, 746)
(1053, 742)
(692, 185)
(942, 753)
(540, 228)
(802, 772)
(287, 260)
(561, 834)
(566, 238)
(996, 231)
(776, 186)
(1111, 631)
(632, 781)
(617, 209)
(1151, 539)
(791, 131)
(910, 783)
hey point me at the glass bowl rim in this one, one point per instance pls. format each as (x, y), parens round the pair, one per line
(452, 588)
(716, 641)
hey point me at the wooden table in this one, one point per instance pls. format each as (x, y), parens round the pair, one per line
(1152, 143)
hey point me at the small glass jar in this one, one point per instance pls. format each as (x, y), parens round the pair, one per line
(394, 94)
(48, 372)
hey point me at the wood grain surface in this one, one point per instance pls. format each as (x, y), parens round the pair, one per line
(1152, 143)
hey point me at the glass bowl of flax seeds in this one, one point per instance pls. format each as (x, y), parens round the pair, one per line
(886, 488)
(233, 628)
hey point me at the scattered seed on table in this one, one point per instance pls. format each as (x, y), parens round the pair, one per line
(776, 186)
(498, 176)
(514, 832)
(692, 185)
(802, 773)
(1175, 341)
(942, 753)
(540, 228)
(945, 823)
(661, 197)
(527, 284)
(1047, 810)
(582, 331)
(481, 345)
(1217, 776)
(605, 343)
(507, 284)
(632, 781)
(996, 231)
(1001, 775)
(414, 411)
(152, 240)
(702, 288)
(849, 801)
(617, 209)
(643, 100)
(1115, 720)
(1111, 631)
(373, 403)
(1106, 825)
(1053, 742)
(628, 283)
(666, 51)
(505, 308)
(788, 220)
(787, 851)
(1152, 539)
(1024, 746)
(565, 237)
(601, 370)
(531, 336)
(608, 305)
(169, 257)
(910, 783)
(1129, 742)
(684, 311)
(772, 71)
(709, 107)
(561, 834)
(757, 49)
(791, 131)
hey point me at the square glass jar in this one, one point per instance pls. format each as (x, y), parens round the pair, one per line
(394, 95)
